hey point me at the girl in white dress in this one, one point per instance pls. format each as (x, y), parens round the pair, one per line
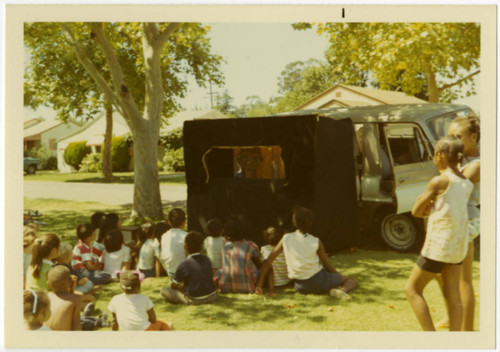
(446, 243)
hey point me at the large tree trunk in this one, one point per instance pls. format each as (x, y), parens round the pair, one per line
(147, 199)
(107, 166)
(433, 88)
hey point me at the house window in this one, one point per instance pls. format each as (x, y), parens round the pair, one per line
(246, 162)
(52, 144)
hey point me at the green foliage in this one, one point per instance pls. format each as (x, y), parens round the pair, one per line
(406, 56)
(254, 107)
(173, 139)
(174, 160)
(91, 163)
(224, 103)
(120, 156)
(75, 152)
(48, 159)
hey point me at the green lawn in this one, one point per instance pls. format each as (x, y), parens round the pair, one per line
(379, 304)
(93, 177)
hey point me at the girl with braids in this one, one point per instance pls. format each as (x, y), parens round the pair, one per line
(36, 309)
(108, 222)
(146, 250)
(45, 249)
(445, 203)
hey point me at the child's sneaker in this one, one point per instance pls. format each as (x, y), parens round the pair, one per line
(339, 294)
(104, 320)
(89, 308)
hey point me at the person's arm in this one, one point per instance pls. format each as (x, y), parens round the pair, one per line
(324, 259)
(114, 323)
(265, 268)
(177, 286)
(423, 204)
(82, 281)
(152, 315)
(90, 265)
(473, 172)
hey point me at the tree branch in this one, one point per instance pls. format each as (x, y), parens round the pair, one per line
(459, 81)
(163, 36)
(129, 106)
(90, 67)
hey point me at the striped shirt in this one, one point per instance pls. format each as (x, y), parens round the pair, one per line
(82, 253)
(238, 273)
(279, 265)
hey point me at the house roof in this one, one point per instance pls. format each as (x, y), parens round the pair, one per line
(379, 95)
(177, 121)
(31, 122)
(42, 127)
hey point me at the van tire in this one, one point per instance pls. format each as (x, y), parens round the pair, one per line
(400, 232)
(31, 169)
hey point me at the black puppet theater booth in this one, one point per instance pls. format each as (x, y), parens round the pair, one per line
(260, 168)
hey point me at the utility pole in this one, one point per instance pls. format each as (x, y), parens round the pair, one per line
(211, 95)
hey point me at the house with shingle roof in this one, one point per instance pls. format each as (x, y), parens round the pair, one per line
(341, 95)
(46, 133)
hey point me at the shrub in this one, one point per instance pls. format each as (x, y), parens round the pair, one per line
(48, 159)
(92, 163)
(75, 152)
(174, 160)
(120, 157)
(172, 140)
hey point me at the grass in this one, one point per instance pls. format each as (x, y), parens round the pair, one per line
(92, 177)
(379, 304)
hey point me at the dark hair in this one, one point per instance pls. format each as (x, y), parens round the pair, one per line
(42, 247)
(176, 217)
(452, 148)
(194, 242)
(160, 228)
(273, 235)
(146, 231)
(302, 219)
(215, 227)
(470, 123)
(84, 231)
(113, 241)
(108, 223)
(96, 219)
(235, 229)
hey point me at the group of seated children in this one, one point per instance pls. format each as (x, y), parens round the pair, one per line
(232, 265)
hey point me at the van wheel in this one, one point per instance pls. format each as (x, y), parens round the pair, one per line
(399, 232)
(31, 169)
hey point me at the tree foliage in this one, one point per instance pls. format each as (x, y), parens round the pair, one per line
(140, 68)
(75, 152)
(412, 57)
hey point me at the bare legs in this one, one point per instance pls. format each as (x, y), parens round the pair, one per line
(414, 292)
(467, 290)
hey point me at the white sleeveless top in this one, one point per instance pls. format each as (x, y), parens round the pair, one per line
(474, 201)
(447, 233)
(301, 253)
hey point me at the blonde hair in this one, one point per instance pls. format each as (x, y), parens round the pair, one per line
(29, 236)
(65, 248)
(36, 307)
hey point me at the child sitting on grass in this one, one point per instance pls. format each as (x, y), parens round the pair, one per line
(131, 310)
(240, 260)
(116, 256)
(65, 305)
(83, 285)
(45, 249)
(36, 307)
(159, 229)
(278, 274)
(146, 251)
(84, 256)
(29, 237)
(108, 222)
(214, 242)
(304, 255)
(172, 242)
(192, 283)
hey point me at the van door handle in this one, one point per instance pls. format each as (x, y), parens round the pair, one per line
(403, 179)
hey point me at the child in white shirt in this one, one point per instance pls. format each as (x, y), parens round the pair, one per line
(116, 256)
(214, 242)
(172, 242)
(147, 250)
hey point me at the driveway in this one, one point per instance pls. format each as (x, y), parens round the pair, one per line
(112, 194)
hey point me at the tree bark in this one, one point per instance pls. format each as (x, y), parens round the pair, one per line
(433, 88)
(107, 166)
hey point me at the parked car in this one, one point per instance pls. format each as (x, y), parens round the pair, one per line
(355, 167)
(31, 164)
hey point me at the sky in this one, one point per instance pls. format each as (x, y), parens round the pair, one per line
(255, 54)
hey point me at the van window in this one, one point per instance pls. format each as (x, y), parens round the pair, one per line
(406, 144)
(246, 162)
(439, 125)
